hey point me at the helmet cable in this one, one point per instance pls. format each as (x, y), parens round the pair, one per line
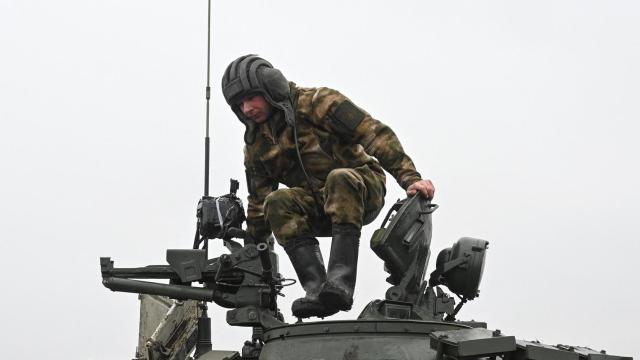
(314, 194)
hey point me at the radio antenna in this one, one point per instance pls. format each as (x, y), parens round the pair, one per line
(203, 344)
(208, 96)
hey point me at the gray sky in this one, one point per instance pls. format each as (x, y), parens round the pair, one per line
(524, 114)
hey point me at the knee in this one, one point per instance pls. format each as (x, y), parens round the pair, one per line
(285, 221)
(341, 177)
(277, 201)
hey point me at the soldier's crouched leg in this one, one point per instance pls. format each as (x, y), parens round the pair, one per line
(306, 259)
(288, 212)
(344, 194)
(353, 197)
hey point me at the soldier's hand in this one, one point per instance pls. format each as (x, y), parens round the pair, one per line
(424, 187)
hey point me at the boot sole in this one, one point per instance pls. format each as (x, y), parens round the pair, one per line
(307, 310)
(305, 314)
(335, 299)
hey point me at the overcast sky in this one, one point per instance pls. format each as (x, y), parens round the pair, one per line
(524, 114)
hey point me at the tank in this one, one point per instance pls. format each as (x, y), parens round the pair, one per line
(415, 321)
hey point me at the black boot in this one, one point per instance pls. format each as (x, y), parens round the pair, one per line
(337, 292)
(306, 259)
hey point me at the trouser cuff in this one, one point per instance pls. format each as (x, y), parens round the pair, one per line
(300, 241)
(345, 229)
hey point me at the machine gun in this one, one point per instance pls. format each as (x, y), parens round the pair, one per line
(246, 280)
(235, 281)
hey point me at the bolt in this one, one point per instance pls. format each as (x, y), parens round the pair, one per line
(326, 329)
(252, 315)
(497, 332)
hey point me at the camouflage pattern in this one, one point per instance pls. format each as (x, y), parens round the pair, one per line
(350, 196)
(345, 167)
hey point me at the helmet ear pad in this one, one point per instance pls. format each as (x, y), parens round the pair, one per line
(275, 84)
(276, 89)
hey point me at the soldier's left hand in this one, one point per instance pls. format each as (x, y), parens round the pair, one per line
(424, 187)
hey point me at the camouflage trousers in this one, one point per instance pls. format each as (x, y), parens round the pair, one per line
(349, 196)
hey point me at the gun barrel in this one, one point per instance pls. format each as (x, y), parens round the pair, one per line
(146, 272)
(179, 292)
(265, 260)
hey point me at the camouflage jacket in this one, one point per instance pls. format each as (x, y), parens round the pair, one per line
(325, 144)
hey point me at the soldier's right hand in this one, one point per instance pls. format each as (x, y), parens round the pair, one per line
(424, 187)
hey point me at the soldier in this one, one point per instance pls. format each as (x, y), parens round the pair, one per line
(330, 154)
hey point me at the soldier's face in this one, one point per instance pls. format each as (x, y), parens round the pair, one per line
(255, 107)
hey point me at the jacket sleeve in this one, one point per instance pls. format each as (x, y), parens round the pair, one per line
(336, 113)
(259, 186)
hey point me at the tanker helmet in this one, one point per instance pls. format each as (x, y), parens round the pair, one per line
(251, 74)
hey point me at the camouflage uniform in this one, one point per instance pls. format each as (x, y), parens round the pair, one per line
(338, 155)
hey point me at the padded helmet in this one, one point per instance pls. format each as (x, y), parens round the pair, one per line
(251, 74)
